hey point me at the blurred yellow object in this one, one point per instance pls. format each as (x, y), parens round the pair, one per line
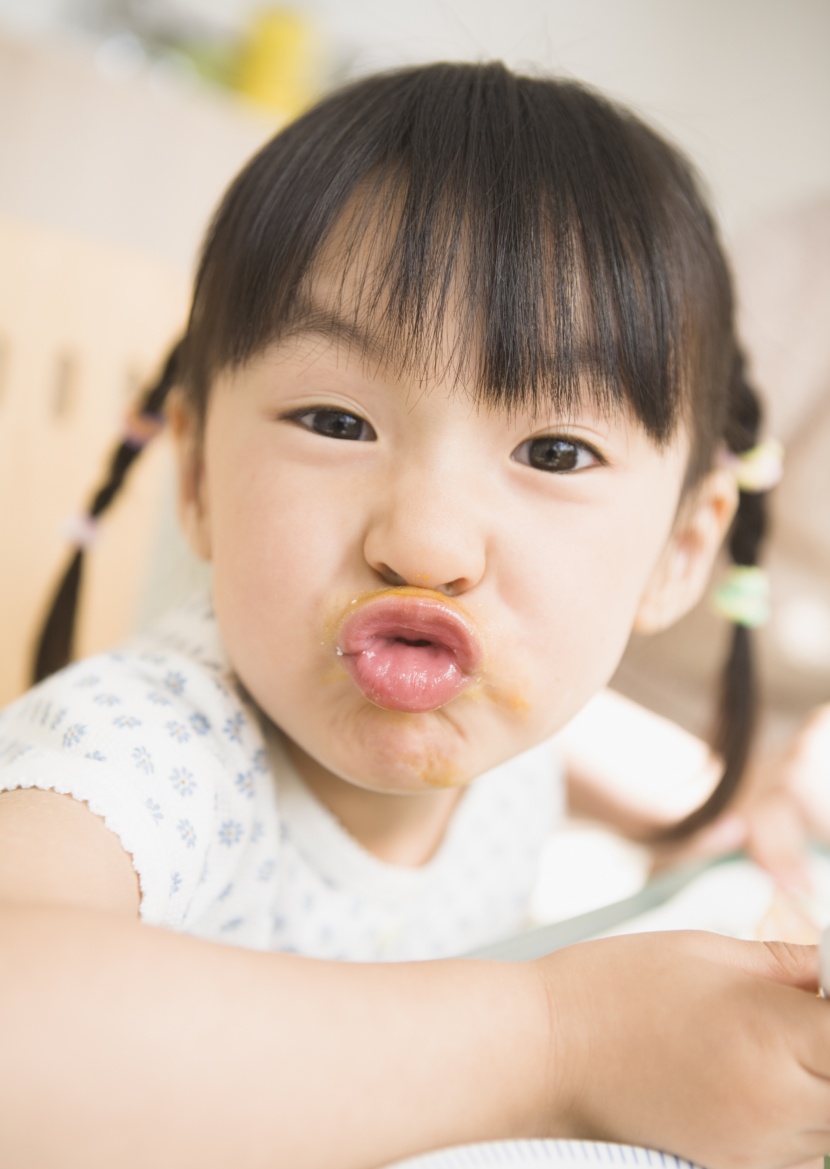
(279, 63)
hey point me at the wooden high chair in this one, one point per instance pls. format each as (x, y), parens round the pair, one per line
(82, 327)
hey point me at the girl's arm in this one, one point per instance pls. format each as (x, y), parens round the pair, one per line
(127, 1045)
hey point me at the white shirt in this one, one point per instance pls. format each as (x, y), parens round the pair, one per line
(161, 741)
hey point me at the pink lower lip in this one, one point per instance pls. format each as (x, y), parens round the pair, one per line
(409, 653)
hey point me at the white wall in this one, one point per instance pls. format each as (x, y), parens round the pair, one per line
(743, 85)
(119, 159)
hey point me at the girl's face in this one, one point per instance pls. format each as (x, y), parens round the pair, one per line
(325, 476)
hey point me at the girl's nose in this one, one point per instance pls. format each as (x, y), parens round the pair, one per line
(427, 538)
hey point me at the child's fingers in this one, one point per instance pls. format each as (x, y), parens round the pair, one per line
(774, 961)
(715, 1048)
(782, 962)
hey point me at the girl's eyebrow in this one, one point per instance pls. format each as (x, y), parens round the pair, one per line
(308, 317)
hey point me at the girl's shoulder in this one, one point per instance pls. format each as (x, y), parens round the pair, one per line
(176, 668)
(158, 738)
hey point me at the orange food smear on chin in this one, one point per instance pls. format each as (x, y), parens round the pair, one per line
(434, 771)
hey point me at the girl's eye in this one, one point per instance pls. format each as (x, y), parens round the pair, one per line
(334, 424)
(556, 455)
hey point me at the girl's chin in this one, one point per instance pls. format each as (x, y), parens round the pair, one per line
(398, 752)
(388, 750)
(416, 760)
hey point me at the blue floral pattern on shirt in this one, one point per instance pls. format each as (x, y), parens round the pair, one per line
(161, 741)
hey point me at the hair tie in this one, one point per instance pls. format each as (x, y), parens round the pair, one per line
(743, 596)
(141, 427)
(760, 467)
(81, 531)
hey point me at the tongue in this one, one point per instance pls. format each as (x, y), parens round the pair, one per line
(395, 674)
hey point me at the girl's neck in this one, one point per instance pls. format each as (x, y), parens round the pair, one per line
(404, 830)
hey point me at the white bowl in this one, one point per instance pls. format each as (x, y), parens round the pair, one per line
(501, 1154)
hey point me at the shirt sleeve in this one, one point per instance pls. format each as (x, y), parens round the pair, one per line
(164, 749)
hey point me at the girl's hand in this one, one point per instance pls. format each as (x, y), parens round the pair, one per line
(696, 1044)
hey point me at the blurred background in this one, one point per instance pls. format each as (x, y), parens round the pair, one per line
(122, 121)
(126, 118)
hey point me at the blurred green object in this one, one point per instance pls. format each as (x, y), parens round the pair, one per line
(215, 62)
(276, 61)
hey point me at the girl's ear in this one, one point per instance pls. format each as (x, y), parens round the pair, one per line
(685, 566)
(187, 442)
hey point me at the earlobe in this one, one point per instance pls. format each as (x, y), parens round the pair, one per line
(683, 571)
(192, 504)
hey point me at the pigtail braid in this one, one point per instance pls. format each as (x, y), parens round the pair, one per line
(55, 644)
(738, 699)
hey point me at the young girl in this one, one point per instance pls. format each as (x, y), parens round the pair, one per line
(452, 416)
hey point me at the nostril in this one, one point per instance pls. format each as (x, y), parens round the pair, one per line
(391, 577)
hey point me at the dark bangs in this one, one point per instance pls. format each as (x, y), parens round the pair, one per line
(567, 239)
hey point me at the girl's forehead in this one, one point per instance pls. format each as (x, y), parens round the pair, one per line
(442, 292)
(359, 296)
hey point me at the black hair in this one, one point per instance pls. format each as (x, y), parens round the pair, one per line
(573, 237)
(56, 642)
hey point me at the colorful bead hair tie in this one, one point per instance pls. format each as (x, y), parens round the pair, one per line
(759, 468)
(743, 596)
(81, 531)
(141, 428)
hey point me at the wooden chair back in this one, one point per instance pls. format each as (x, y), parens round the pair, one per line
(82, 326)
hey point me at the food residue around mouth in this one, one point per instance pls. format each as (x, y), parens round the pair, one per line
(397, 666)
